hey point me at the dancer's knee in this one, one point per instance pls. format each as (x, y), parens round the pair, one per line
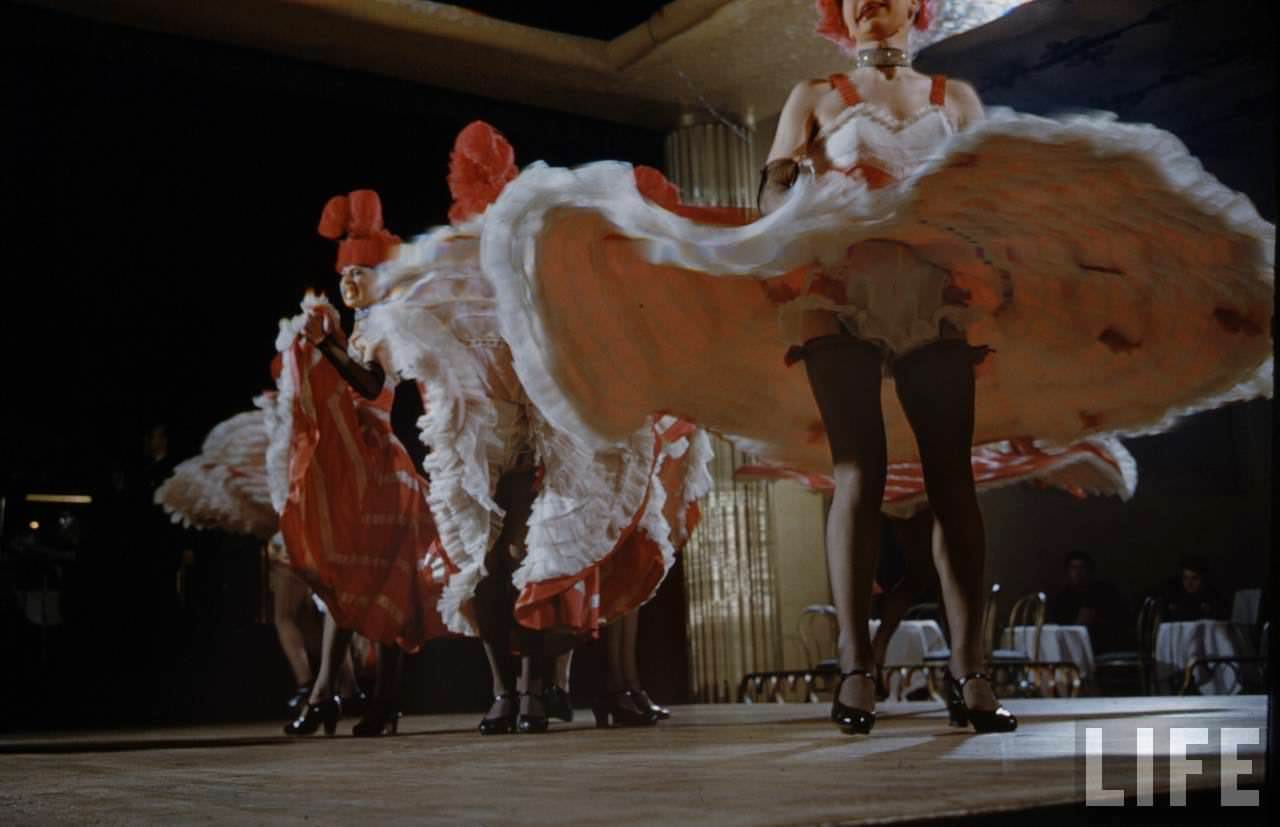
(858, 487)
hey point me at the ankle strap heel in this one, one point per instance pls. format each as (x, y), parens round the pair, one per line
(850, 719)
(983, 720)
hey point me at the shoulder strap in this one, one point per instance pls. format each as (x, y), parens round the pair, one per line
(847, 90)
(938, 96)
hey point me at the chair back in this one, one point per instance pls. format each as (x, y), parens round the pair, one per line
(1029, 611)
(1149, 617)
(1245, 607)
(990, 625)
(819, 634)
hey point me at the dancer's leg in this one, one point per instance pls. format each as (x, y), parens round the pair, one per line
(288, 597)
(631, 665)
(348, 684)
(845, 375)
(630, 642)
(564, 665)
(336, 642)
(616, 679)
(533, 677)
(495, 597)
(936, 387)
(386, 679)
(384, 709)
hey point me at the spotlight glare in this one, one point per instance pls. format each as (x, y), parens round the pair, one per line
(954, 17)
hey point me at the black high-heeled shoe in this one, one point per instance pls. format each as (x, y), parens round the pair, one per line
(610, 710)
(557, 703)
(983, 720)
(313, 716)
(850, 719)
(643, 700)
(502, 724)
(298, 700)
(528, 723)
(355, 704)
(378, 720)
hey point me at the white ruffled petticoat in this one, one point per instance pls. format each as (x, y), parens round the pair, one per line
(1119, 285)
(435, 323)
(224, 487)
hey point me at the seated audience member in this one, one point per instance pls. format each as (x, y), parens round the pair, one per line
(1191, 596)
(1085, 601)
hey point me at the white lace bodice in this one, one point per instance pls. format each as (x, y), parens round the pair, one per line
(867, 134)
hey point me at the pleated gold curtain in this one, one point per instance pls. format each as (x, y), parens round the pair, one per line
(731, 585)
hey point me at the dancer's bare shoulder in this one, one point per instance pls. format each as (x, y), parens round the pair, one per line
(796, 119)
(963, 103)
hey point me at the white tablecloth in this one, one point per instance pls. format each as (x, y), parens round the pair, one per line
(1178, 643)
(912, 641)
(1058, 644)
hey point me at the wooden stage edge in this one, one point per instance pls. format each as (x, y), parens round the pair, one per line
(709, 765)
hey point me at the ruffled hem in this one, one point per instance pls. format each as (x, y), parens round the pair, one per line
(1093, 467)
(277, 408)
(1120, 286)
(632, 571)
(459, 426)
(224, 487)
(588, 499)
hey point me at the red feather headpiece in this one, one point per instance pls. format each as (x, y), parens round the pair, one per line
(481, 164)
(358, 216)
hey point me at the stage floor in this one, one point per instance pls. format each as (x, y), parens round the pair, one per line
(708, 765)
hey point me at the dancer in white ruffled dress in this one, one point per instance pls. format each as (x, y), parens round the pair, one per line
(582, 534)
(1013, 277)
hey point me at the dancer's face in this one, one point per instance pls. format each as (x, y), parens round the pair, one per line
(870, 21)
(354, 286)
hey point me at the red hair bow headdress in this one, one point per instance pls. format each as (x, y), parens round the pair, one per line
(358, 216)
(481, 164)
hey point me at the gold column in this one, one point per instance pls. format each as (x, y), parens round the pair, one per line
(712, 162)
(731, 584)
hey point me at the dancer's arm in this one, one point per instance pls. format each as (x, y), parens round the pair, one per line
(320, 331)
(796, 127)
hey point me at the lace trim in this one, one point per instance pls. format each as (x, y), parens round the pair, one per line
(879, 114)
(460, 426)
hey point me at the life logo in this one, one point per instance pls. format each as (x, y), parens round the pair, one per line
(1151, 766)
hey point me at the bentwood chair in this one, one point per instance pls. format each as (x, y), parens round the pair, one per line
(818, 630)
(1138, 665)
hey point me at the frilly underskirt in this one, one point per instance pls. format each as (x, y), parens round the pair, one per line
(224, 487)
(606, 520)
(1118, 284)
(1090, 468)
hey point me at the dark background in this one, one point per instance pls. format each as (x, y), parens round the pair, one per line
(162, 198)
(603, 21)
